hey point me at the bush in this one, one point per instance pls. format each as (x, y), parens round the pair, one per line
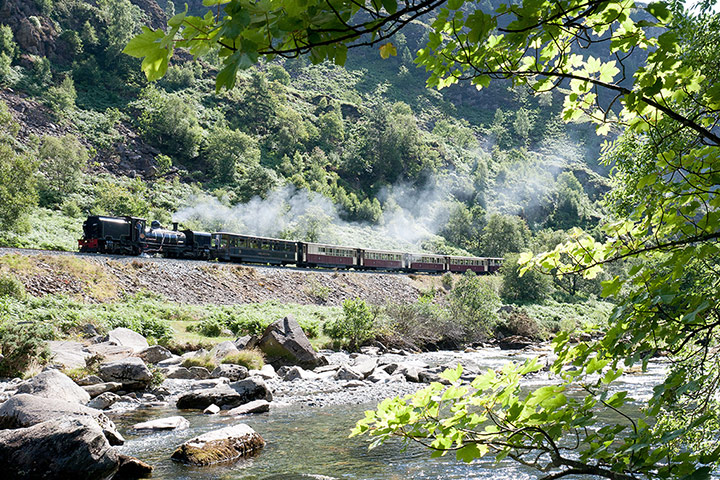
(62, 160)
(355, 326)
(518, 322)
(11, 287)
(210, 327)
(447, 281)
(61, 98)
(532, 286)
(252, 359)
(205, 361)
(23, 344)
(473, 306)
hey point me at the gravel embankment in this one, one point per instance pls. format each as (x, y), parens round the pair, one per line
(107, 277)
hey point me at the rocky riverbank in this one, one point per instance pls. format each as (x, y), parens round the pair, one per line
(77, 417)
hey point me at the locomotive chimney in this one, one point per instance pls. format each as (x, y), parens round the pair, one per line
(175, 226)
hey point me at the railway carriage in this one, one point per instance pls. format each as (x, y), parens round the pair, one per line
(423, 262)
(232, 247)
(463, 264)
(323, 255)
(381, 259)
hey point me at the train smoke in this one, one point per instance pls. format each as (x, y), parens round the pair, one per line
(411, 216)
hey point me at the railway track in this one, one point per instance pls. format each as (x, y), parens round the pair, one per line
(130, 258)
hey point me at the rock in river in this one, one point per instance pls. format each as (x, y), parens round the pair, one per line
(23, 410)
(226, 444)
(131, 372)
(169, 423)
(54, 384)
(56, 449)
(226, 396)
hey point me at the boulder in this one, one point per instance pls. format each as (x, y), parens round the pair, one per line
(179, 373)
(56, 385)
(293, 373)
(223, 445)
(222, 350)
(169, 423)
(231, 372)
(267, 372)
(68, 354)
(515, 342)
(364, 365)
(226, 396)
(410, 372)
(58, 448)
(154, 354)
(248, 341)
(89, 380)
(124, 337)
(212, 410)
(199, 373)
(100, 388)
(347, 373)
(103, 401)
(285, 343)
(131, 372)
(109, 352)
(256, 406)
(379, 375)
(131, 468)
(23, 410)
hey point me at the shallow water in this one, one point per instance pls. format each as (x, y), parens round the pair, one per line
(313, 443)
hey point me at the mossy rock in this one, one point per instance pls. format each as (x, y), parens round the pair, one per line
(218, 446)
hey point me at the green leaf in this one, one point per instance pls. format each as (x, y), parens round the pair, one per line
(387, 50)
(471, 451)
(390, 6)
(144, 43)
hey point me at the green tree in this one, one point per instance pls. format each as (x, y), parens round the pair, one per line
(504, 234)
(229, 153)
(669, 302)
(62, 160)
(7, 42)
(473, 306)
(531, 286)
(170, 123)
(61, 98)
(18, 195)
(355, 326)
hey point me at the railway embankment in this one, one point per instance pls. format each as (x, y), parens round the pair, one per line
(99, 278)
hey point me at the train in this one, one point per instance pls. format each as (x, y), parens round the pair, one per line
(132, 236)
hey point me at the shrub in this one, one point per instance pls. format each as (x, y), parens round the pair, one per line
(532, 286)
(247, 326)
(210, 327)
(252, 359)
(355, 326)
(473, 305)
(206, 361)
(22, 344)
(518, 322)
(61, 98)
(447, 281)
(11, 287)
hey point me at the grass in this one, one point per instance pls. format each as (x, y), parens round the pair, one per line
(206, 361)
(252, 359)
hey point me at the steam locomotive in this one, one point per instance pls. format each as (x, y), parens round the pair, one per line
(132, 236)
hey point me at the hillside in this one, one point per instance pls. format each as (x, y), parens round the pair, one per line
(362, 155)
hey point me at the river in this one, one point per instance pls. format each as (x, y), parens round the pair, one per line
(312, 442)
